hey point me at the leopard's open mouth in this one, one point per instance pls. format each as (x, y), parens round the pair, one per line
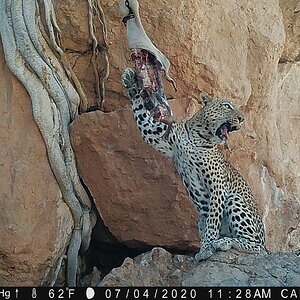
(223, 131)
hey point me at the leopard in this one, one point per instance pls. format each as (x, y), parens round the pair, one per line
(228, 213)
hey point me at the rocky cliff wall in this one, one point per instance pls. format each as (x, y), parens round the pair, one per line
(234, 50)
(35, 223)
(247, 51)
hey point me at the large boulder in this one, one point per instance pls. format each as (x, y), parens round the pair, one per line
(137, 192)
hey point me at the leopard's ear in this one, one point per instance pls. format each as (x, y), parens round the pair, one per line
(204, 99)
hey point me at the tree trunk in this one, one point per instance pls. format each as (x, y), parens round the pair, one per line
(30, 37)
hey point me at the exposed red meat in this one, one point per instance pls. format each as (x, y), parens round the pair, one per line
(149, 75)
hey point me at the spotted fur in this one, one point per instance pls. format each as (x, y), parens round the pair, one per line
(228, 214)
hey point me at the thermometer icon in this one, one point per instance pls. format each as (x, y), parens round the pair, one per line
(33, 293)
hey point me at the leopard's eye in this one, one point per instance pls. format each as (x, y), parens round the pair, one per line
(227, 105)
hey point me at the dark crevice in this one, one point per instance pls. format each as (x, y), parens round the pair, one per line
(107, 252)
(88, 51)
(92, 108)
(284, 60)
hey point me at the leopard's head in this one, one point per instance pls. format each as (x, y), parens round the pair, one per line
(216, 119)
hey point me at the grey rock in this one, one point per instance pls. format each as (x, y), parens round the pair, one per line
(232, 268)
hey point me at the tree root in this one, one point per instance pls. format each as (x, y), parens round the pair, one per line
(53, 41)
(100, 77)
(57, 269)
(29, 54)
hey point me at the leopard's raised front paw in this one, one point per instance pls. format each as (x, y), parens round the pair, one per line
(128, 78)
(204, 253)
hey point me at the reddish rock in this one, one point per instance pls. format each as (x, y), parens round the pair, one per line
(136, 190)
(228, 49)
(239, 60)
(35, 223)
(233, 50)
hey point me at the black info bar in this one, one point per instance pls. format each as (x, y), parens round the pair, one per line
(114, 293)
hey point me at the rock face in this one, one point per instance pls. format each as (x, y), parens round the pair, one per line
(237, 269)
(244, 51)
(137, 192)
(161, 268)
(290, 12)
(35, 223)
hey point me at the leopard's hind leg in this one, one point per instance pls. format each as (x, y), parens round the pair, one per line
(245, 227)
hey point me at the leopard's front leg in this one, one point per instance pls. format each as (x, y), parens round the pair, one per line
(151, 130)
(213, 222)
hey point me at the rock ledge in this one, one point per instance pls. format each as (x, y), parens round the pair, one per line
(232, 268)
